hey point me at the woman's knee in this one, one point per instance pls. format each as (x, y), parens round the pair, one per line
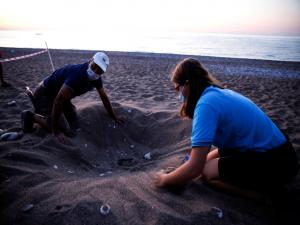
(211, 170)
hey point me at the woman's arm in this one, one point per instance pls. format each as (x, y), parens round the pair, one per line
(187, 171)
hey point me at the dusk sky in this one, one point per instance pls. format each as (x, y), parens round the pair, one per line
(278, 17)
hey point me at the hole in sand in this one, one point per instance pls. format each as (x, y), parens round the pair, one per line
(102, 145)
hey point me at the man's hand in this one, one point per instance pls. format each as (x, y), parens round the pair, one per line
(60, 137)
(159, 179)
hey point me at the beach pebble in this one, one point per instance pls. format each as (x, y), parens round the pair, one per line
(105, 209)
(219, 212)
(70, 171)
(131, 146)
(170, 169)
(9, 136)
(129, 111)
(147, 156)
(102, 174)
(11, 103)
(108, 172)
(27, 207)
(55, 167)
(85, 145)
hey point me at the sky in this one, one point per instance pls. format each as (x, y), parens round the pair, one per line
(274, 17)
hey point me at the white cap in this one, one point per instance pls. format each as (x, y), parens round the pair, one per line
(102, 60)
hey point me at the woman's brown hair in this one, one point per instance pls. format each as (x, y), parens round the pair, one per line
(191, 72)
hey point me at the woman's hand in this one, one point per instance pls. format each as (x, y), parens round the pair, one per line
(160, 179)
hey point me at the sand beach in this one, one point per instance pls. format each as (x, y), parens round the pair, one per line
(46, 182)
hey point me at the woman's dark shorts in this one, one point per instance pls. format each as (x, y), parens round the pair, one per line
(259, 170)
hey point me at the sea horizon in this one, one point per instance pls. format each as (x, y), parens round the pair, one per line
(266, 47)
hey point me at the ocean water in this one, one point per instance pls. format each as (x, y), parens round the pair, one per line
(282, 48)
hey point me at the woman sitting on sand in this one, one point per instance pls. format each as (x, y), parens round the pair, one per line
(251, 153)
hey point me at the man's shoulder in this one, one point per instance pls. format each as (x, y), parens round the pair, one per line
(75, 67)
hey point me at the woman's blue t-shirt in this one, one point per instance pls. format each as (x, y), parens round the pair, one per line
(227, 119)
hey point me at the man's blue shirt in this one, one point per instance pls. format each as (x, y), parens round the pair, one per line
(228, 119)
(75, 77)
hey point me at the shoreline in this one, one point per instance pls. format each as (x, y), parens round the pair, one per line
(147, 54)
(226, 66)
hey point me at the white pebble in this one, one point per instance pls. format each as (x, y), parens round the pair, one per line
(85, 145)
(27, 207)
(102, 174)
(11, 103)
(147, 156)
(9, 136)
(131, 146)
(105, 209)
(219, 212)
(129, 110)
(55, 167)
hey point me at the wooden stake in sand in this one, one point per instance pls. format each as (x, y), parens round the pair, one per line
(50, 57)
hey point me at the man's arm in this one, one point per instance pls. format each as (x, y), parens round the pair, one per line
(187, 171)
(63, 95)
(108, 106)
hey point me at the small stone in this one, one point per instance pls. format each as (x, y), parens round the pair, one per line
(27, 207)
(129, 111)
(114, 126)
(9, 136)
(70, 171)
(147, 156)
(85, 145)
(108, 172)
(219, 212)
(105, 209)
(131, 146)
(55, 167)
(169, 169)
(102, 174)
(11, 103)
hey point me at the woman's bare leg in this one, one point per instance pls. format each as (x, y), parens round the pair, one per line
(213, 154)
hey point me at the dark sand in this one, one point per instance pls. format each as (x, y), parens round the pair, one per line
(67, 183)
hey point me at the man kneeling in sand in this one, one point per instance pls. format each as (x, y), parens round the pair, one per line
(52, 97)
